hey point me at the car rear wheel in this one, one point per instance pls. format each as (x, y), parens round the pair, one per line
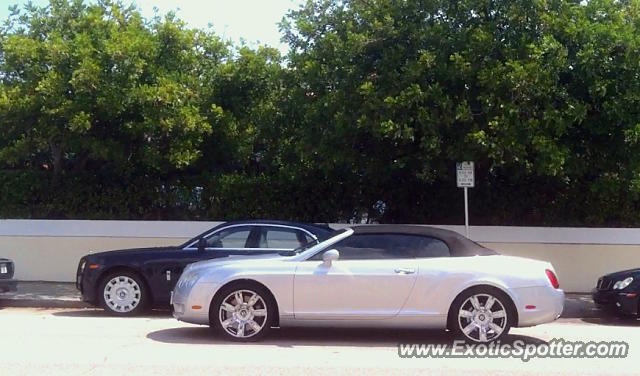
(242, 312)
(123, 294)
(481, 315)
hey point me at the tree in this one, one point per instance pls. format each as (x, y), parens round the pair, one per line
(534, 92)
(94, 84)
(96, 89)
(105, 114)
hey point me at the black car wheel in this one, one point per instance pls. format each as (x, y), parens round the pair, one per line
(242, 312)
(123, 294)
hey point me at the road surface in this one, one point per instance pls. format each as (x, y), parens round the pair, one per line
(88, 342)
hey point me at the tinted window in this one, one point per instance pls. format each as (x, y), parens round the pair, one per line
(234, 237)
(388, 246)
(432, 247)
(281, 238)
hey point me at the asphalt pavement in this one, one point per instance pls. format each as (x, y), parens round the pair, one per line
(47, 329)
(38, 341)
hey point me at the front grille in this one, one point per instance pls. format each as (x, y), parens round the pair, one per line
(79, 273)
(604, 283)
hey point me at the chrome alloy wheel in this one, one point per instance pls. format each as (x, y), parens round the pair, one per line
(243, 314)
(122, 294)
(482, 318)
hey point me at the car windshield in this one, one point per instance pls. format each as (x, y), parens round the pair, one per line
(310, 244)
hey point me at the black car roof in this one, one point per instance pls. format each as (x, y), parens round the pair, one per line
(458, 244)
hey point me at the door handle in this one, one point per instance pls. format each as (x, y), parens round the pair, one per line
(404, 271)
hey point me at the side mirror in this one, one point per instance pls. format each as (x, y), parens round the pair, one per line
(202, 244)
(330, 256)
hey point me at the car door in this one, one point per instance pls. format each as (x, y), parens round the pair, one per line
(372, 279)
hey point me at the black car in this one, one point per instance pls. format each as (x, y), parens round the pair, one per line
(124, 282)
(7, 283)
(619, 292)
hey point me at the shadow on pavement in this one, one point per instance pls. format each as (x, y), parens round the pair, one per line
(100, 313)
(612, 320)
(321, 337)
(578, 306)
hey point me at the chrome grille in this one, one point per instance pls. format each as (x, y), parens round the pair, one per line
(604, 283)
(9, 266)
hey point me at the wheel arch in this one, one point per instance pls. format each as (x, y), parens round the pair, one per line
(245, 282)
(485, 286)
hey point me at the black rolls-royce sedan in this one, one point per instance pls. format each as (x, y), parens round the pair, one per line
(619, 292)
(125, 282)
(7, 283)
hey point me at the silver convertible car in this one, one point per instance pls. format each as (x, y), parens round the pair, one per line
(372, 276)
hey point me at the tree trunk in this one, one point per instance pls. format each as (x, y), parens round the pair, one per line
(56, 157)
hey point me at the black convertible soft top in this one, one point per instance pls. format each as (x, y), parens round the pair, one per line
(459, 245)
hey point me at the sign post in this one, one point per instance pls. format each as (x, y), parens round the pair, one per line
(465, 179)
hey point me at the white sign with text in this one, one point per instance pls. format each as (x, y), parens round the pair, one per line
(464, 174)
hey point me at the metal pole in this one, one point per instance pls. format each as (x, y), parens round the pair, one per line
(466, 211)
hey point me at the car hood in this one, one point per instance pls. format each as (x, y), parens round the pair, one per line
(624, 273)
(234, 259)
(130, 251)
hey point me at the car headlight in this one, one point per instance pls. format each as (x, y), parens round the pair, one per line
(622, 284)
(4, 269)
(187, 280)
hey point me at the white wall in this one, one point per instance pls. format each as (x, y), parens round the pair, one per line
(49, 250)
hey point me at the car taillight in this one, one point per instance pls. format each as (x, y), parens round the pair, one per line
(553, 279)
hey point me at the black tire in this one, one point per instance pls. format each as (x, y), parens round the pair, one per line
(130, 290)
(456, 322)
(231, 331)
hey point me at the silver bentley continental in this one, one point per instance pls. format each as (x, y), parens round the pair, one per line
(372, 276)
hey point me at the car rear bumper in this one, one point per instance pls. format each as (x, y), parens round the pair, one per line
(7, 285)
(538, 305)
(625, 303)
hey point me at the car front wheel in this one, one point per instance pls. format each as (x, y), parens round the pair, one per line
(242, 312)
(123, 294)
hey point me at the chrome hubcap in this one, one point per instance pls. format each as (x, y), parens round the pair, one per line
(482, 318)
(122, 294)
(243, 313)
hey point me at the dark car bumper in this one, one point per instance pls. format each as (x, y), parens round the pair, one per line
(625, 303)
(7, 285)
(86, 282)
(88, 294)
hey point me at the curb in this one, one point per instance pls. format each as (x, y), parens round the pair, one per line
(43, 303)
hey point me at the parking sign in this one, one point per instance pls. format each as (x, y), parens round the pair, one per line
(464, 174)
